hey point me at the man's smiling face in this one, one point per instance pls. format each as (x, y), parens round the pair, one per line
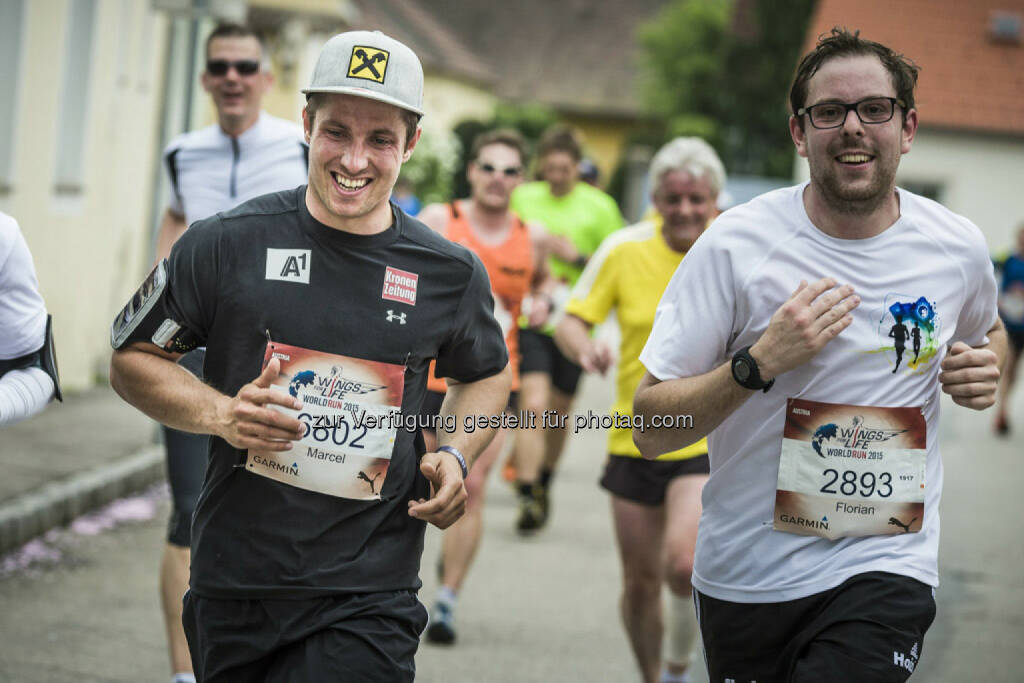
(356, 148)
(853, 166)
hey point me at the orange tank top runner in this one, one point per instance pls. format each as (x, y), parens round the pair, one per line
(510, 267)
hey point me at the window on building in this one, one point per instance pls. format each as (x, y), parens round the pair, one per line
(74, 97)
(12, 13)
(925, 188)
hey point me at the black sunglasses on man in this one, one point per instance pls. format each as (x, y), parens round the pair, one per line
(244, 67)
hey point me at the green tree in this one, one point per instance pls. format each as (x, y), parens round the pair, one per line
(431, 165)
(722, 70)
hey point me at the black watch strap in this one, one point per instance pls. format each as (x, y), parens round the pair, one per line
(746, 373)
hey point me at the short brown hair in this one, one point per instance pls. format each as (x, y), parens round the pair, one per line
(316, 100)
(560, 139)
(842, 43)
(232, 30)
(510, 137)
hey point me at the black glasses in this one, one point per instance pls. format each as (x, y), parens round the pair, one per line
(833, 114)
(244, 67)
(509, 172)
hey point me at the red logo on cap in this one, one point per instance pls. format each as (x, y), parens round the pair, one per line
(400, 286)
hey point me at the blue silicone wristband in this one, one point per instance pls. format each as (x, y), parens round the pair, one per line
(458, 456)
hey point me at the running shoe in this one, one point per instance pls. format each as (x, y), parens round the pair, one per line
(532, 511)
(441, 629)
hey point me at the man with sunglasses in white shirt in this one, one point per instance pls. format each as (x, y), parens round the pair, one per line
(247, 153)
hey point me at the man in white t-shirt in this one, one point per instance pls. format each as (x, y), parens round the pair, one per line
(817, 552)
(28, 370)
(247, 153)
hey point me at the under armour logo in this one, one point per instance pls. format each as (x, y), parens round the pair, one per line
(392, 317)
(364, 64)
(289, 265)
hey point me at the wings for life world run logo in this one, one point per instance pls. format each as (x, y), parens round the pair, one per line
(334, 385)
(856, 437)
(913, 328)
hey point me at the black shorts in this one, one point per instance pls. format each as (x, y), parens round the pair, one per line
(431, 408)
(540, 354)
(869, 628)
(364, 637)
(186, 466)
(645, 481)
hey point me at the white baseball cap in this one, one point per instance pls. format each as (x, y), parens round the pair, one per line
(372, 65)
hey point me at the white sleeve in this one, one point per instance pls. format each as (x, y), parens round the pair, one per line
(22, 311)
(980, 309)
(174, 202)
(695, 319)
(24, 393)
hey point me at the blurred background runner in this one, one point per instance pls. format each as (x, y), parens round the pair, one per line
(655, 504)
(514, 254)
(548, 380)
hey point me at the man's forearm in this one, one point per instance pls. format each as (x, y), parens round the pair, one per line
(998, 342)
(163, 390)
(171, 228)
(572, 336)
(465, 401)
(708, 399)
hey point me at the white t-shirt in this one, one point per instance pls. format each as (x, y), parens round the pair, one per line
(721, 299)
(209, 171)
(22, 311)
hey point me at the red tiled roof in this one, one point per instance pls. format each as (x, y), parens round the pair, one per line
(966, 82)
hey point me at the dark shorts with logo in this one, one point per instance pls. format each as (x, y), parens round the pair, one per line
(540, 354)
(186, 466)
(368, 637)
(646, 481)
(868, 629)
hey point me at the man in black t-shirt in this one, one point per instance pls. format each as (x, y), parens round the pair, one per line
(308, 533)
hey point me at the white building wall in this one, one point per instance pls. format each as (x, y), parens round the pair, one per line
(89, 245)
(978, 176)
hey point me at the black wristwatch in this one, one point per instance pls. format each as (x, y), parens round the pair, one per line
(745, 372)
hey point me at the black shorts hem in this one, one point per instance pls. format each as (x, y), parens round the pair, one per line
(539, 353)
(646, 481)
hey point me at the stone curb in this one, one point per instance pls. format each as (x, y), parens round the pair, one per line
(32, 514)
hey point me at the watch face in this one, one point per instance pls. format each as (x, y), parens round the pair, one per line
(741, 369)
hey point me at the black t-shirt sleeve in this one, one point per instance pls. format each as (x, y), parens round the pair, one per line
(475, 348)
(192, 273)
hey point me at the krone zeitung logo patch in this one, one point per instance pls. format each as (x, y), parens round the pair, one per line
(368, 63)
(289, 265)
(400, 286)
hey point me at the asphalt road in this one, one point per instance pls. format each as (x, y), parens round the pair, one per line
(539, 609)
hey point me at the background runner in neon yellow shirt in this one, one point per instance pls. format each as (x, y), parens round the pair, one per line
(655, 505)
(585, 216)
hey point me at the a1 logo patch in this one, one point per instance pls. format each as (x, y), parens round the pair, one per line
(368, 63)
(288, 265)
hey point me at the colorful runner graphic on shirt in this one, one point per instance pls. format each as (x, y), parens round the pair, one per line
(342, 452)
(911, 326)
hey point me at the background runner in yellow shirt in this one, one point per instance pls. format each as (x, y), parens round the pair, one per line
(655, 504)
(585, 215)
